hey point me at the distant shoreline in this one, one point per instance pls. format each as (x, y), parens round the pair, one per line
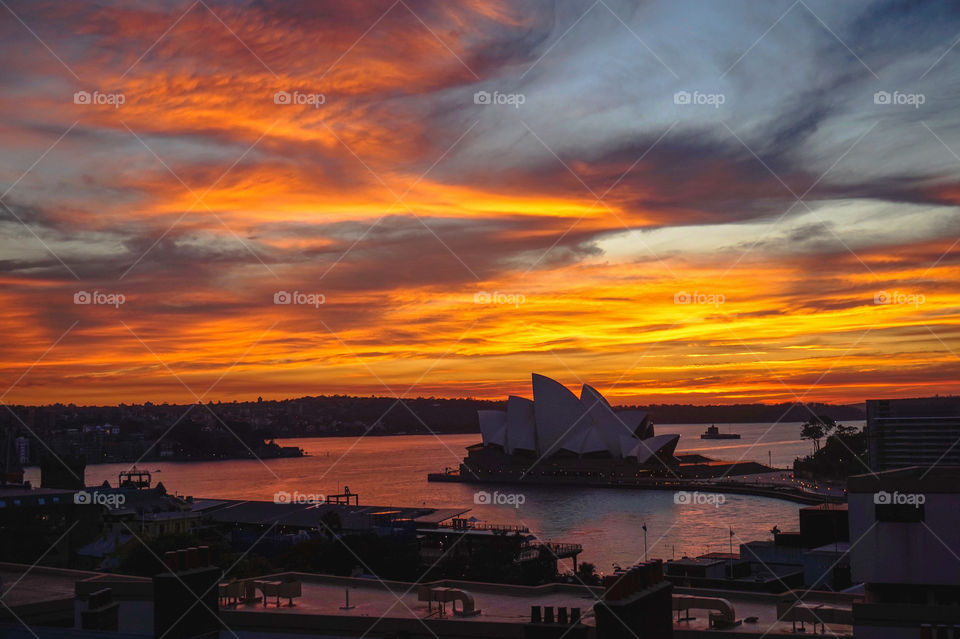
(477, 431)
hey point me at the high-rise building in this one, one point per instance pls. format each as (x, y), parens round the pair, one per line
(913, 432)
(21, 445)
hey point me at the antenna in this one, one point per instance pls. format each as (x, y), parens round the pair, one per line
(346, 605)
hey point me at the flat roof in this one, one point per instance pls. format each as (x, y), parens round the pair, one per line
(928, 479)
(442, 514)
(8, 492)
(695, 561)
(827, 506)
(375, 600)
(24, 585)
(372, 598)
(763, 606)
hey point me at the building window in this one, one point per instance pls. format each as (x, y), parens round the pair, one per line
(903, 513)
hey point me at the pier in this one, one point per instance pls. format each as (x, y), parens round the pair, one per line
(731, 485)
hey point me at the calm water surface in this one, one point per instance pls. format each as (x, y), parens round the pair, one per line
(393, 471)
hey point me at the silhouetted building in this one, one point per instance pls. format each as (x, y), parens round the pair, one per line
(186, 595)
(21, 446)
(913, 432)
(62, 471)
(904, 532)
(636, 604)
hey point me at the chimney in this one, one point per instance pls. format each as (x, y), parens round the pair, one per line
(186, 595)
(637, 604)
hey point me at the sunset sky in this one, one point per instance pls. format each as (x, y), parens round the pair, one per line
(790, 233)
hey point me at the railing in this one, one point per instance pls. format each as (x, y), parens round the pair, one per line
(463, 524)
(559, 551)
(562, 550)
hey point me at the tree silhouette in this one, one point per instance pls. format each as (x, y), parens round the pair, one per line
(816, 428)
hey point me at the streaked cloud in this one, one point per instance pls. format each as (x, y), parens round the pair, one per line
(792, 236)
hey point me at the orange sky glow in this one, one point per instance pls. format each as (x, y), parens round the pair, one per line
(597, 233)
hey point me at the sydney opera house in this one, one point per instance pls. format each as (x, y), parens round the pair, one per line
(558, 433)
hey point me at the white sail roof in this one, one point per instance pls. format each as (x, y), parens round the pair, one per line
(609, 423)
(656, 448)
(557, 412)
(587, 441)
(638, 422)
(493, 426)
(521, 426)
(557, 419)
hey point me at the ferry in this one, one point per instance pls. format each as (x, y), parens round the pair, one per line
(713, 432)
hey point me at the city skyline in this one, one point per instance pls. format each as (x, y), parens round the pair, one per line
(683, 203)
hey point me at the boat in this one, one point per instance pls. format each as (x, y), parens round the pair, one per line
(713, 432)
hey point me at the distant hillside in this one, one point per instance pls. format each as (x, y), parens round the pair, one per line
(333, 415)
(745, 413)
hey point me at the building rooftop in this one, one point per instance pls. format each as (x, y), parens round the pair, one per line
(438, 516)
(23, 585)
(826, 506)
(695, 561)
(948, 406)
(12, 491)
(374, 599)
(763, 606)
(397, 604)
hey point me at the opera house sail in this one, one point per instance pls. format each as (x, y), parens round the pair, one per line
(559, 434)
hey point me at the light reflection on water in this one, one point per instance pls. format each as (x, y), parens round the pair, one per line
(393, 471)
